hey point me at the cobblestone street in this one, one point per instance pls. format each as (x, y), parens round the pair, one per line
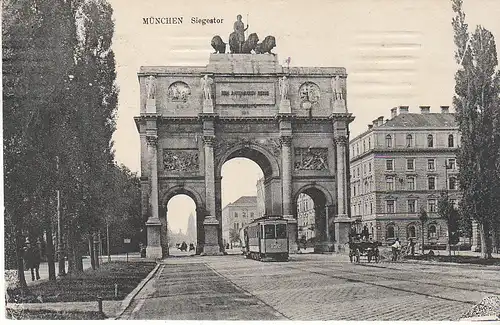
(311, 287)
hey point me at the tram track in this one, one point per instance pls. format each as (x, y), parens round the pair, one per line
(372, 283)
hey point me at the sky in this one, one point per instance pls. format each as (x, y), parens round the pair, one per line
(395, 52)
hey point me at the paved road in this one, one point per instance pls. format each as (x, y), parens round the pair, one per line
(311, 287)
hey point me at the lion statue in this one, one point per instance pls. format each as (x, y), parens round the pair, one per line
(266, 46)
(218, 45)
(250, 44)
(247, 46)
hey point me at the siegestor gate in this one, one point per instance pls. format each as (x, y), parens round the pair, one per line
(293, 122)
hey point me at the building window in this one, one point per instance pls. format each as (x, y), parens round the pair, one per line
(430, 164)
(409, 140)
(371, 208)
(412, 231)
(451, 142)
(430, 141)
(452, 183)
(411, 183)
(431, 182)
(390, 231)
(390, 206)
(236, 214)
(389, 164)
(389, 181)
(388, 141)
(432, 231)
(364, 145)
(410, 164)
(450, 163)
(412, 206)
(431, 205)
(369, 143)
(252, 215)
(370, 167)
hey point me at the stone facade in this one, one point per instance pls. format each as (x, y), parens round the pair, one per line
(237, 215)
(398, 166)
(194, 119)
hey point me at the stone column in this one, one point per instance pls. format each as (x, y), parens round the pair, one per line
(210, 224)
(341, 142)
(153, 224)
(342, 221)
(286, 163)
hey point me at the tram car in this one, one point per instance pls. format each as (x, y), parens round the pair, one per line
(266, 239)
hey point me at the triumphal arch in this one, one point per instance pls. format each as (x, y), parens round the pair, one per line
(292, 121)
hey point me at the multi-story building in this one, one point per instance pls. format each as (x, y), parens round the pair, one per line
(305, 217)
(401, 165)
(238, 214)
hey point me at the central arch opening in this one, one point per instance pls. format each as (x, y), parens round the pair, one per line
(181, 225)
(240, 178)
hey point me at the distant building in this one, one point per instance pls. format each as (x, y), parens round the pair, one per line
(238, 214)
(305, 217)
(397, 167)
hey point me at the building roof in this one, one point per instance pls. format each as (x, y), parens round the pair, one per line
(245, 200)
(422, 120)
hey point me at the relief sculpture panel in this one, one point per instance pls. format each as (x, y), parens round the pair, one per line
(181, 160)
(311, 158)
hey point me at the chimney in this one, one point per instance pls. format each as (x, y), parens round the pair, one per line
(370, 126)
(445, 109)
(380, 120)
(403, 109)
(394, 112)
(425, 109)
(375, 122)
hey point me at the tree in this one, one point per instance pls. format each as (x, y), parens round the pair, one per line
(447, 211)
(477, 104)
(422, 216)
(234, 236)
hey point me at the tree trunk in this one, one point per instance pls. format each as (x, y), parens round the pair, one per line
(50, 252)
(20, 260)
(449, 239)
(494, 237)
(71, 251)
(91, 252)
(96, 250)
(485, 249)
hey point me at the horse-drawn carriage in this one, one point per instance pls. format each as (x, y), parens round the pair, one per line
(358, 248)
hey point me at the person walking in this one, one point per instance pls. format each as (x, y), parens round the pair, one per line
(32, 259)
(395, 249)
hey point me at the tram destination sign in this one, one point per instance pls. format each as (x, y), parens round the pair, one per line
(245, 93)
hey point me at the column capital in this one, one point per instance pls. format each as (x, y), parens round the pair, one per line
(341, 140)
(286, 140)
(152, 140)
(209, 140)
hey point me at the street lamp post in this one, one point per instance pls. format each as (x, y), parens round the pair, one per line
(60, 251)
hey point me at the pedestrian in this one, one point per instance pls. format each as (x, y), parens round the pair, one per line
(395, 249)
(32, 259)
(191, 247)
(412, 247)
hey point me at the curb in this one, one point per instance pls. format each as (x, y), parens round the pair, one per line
(128, 300)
